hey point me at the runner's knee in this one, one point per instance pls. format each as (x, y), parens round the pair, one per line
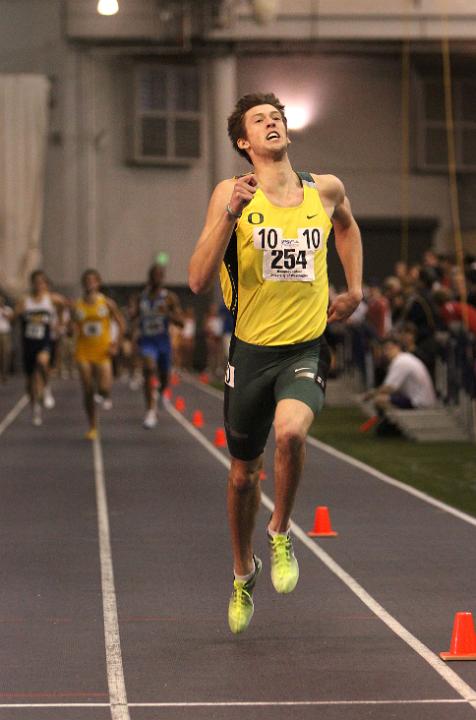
(244, 477)
(290, 438)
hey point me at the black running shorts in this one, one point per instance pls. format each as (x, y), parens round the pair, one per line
(258, 377)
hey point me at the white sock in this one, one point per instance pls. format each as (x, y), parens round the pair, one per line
(245, 578)
(273, 533)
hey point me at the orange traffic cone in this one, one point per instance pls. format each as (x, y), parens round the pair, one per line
(463, 639)
(220, 438)
(369, 424)
(262, 475)
(203, 377)
(174, 379)
(180, 404)
(167, 394)
(322, 524)
(197, 419)
(154, 382)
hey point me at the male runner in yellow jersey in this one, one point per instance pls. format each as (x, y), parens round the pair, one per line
(92, 315)
(266, 233)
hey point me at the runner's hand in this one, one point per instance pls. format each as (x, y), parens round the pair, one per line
(243, 192)
(343, 306)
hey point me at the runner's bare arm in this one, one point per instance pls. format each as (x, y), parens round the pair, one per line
(175, 310)
(18, 310)
(118, 317)
(211, 247)
(349, 248)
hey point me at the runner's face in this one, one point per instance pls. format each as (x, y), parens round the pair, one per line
(40, 285)
(91, 283)
(157, 277)
(265, 131)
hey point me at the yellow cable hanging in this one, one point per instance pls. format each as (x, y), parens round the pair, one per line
(405, 151)
(453, 183)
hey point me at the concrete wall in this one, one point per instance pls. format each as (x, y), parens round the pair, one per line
(355, 129)
(101, 211)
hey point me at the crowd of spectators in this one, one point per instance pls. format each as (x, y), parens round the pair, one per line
(429, 311)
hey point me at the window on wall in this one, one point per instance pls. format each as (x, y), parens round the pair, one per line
(432, 145)
(167, 114)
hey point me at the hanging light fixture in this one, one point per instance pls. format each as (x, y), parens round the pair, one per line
(108, 7)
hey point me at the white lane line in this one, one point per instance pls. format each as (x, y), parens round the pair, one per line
(242, 703)
(297, 703)
(115, 671)
(13, 414)
(363, 466)
(454, 680)
(392, 481)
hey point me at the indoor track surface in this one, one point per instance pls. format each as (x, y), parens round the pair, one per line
(116, 573)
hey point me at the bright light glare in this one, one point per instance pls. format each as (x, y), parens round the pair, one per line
(298, 116)
(108, 7)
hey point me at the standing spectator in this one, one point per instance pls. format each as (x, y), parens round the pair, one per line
(213, 326)
(420, 308)
(454, 311)
(6, 317)
(378, 313)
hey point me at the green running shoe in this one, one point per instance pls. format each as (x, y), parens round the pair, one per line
(284, 566)
(241, 608)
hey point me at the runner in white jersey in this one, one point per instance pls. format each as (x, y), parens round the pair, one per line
(38, 311)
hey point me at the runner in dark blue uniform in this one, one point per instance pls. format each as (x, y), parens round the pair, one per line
(157, 308)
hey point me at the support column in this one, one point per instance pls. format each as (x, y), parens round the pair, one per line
(223, 94)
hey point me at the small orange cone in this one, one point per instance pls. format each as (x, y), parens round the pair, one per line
(369, 424)
(180, 404)
(154, 382)
(463, 639)
(203, 377)
(322, 524)
(197, 419)
(174, 379)
(262, 475)
(220, 438)
(167, 394)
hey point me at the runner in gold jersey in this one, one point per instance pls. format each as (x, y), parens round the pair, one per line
(92, 317)
(266, 235)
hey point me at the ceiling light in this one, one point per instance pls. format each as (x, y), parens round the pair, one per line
(108, 7)
(298, 116)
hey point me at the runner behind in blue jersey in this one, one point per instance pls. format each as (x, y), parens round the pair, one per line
(157, 308)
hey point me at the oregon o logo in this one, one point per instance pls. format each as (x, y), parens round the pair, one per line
(255, 218)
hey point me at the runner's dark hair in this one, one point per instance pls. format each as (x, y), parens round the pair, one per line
(236, 126)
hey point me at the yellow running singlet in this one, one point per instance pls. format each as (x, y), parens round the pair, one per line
(94, 322)
(274, 274)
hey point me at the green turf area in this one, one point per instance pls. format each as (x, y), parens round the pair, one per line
(446, 471)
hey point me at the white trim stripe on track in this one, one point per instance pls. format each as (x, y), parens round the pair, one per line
(454, 680)
(14, 413)
(361, 465)
(115, 671)
(241, 703)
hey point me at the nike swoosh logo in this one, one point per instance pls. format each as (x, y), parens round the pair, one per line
(311, 216)
(299, 369)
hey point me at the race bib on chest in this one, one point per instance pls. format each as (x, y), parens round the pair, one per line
(92, 329)
(35, 331)
(153, 326)
(289, 259)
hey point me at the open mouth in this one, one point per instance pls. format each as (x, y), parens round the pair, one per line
(272, 135)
